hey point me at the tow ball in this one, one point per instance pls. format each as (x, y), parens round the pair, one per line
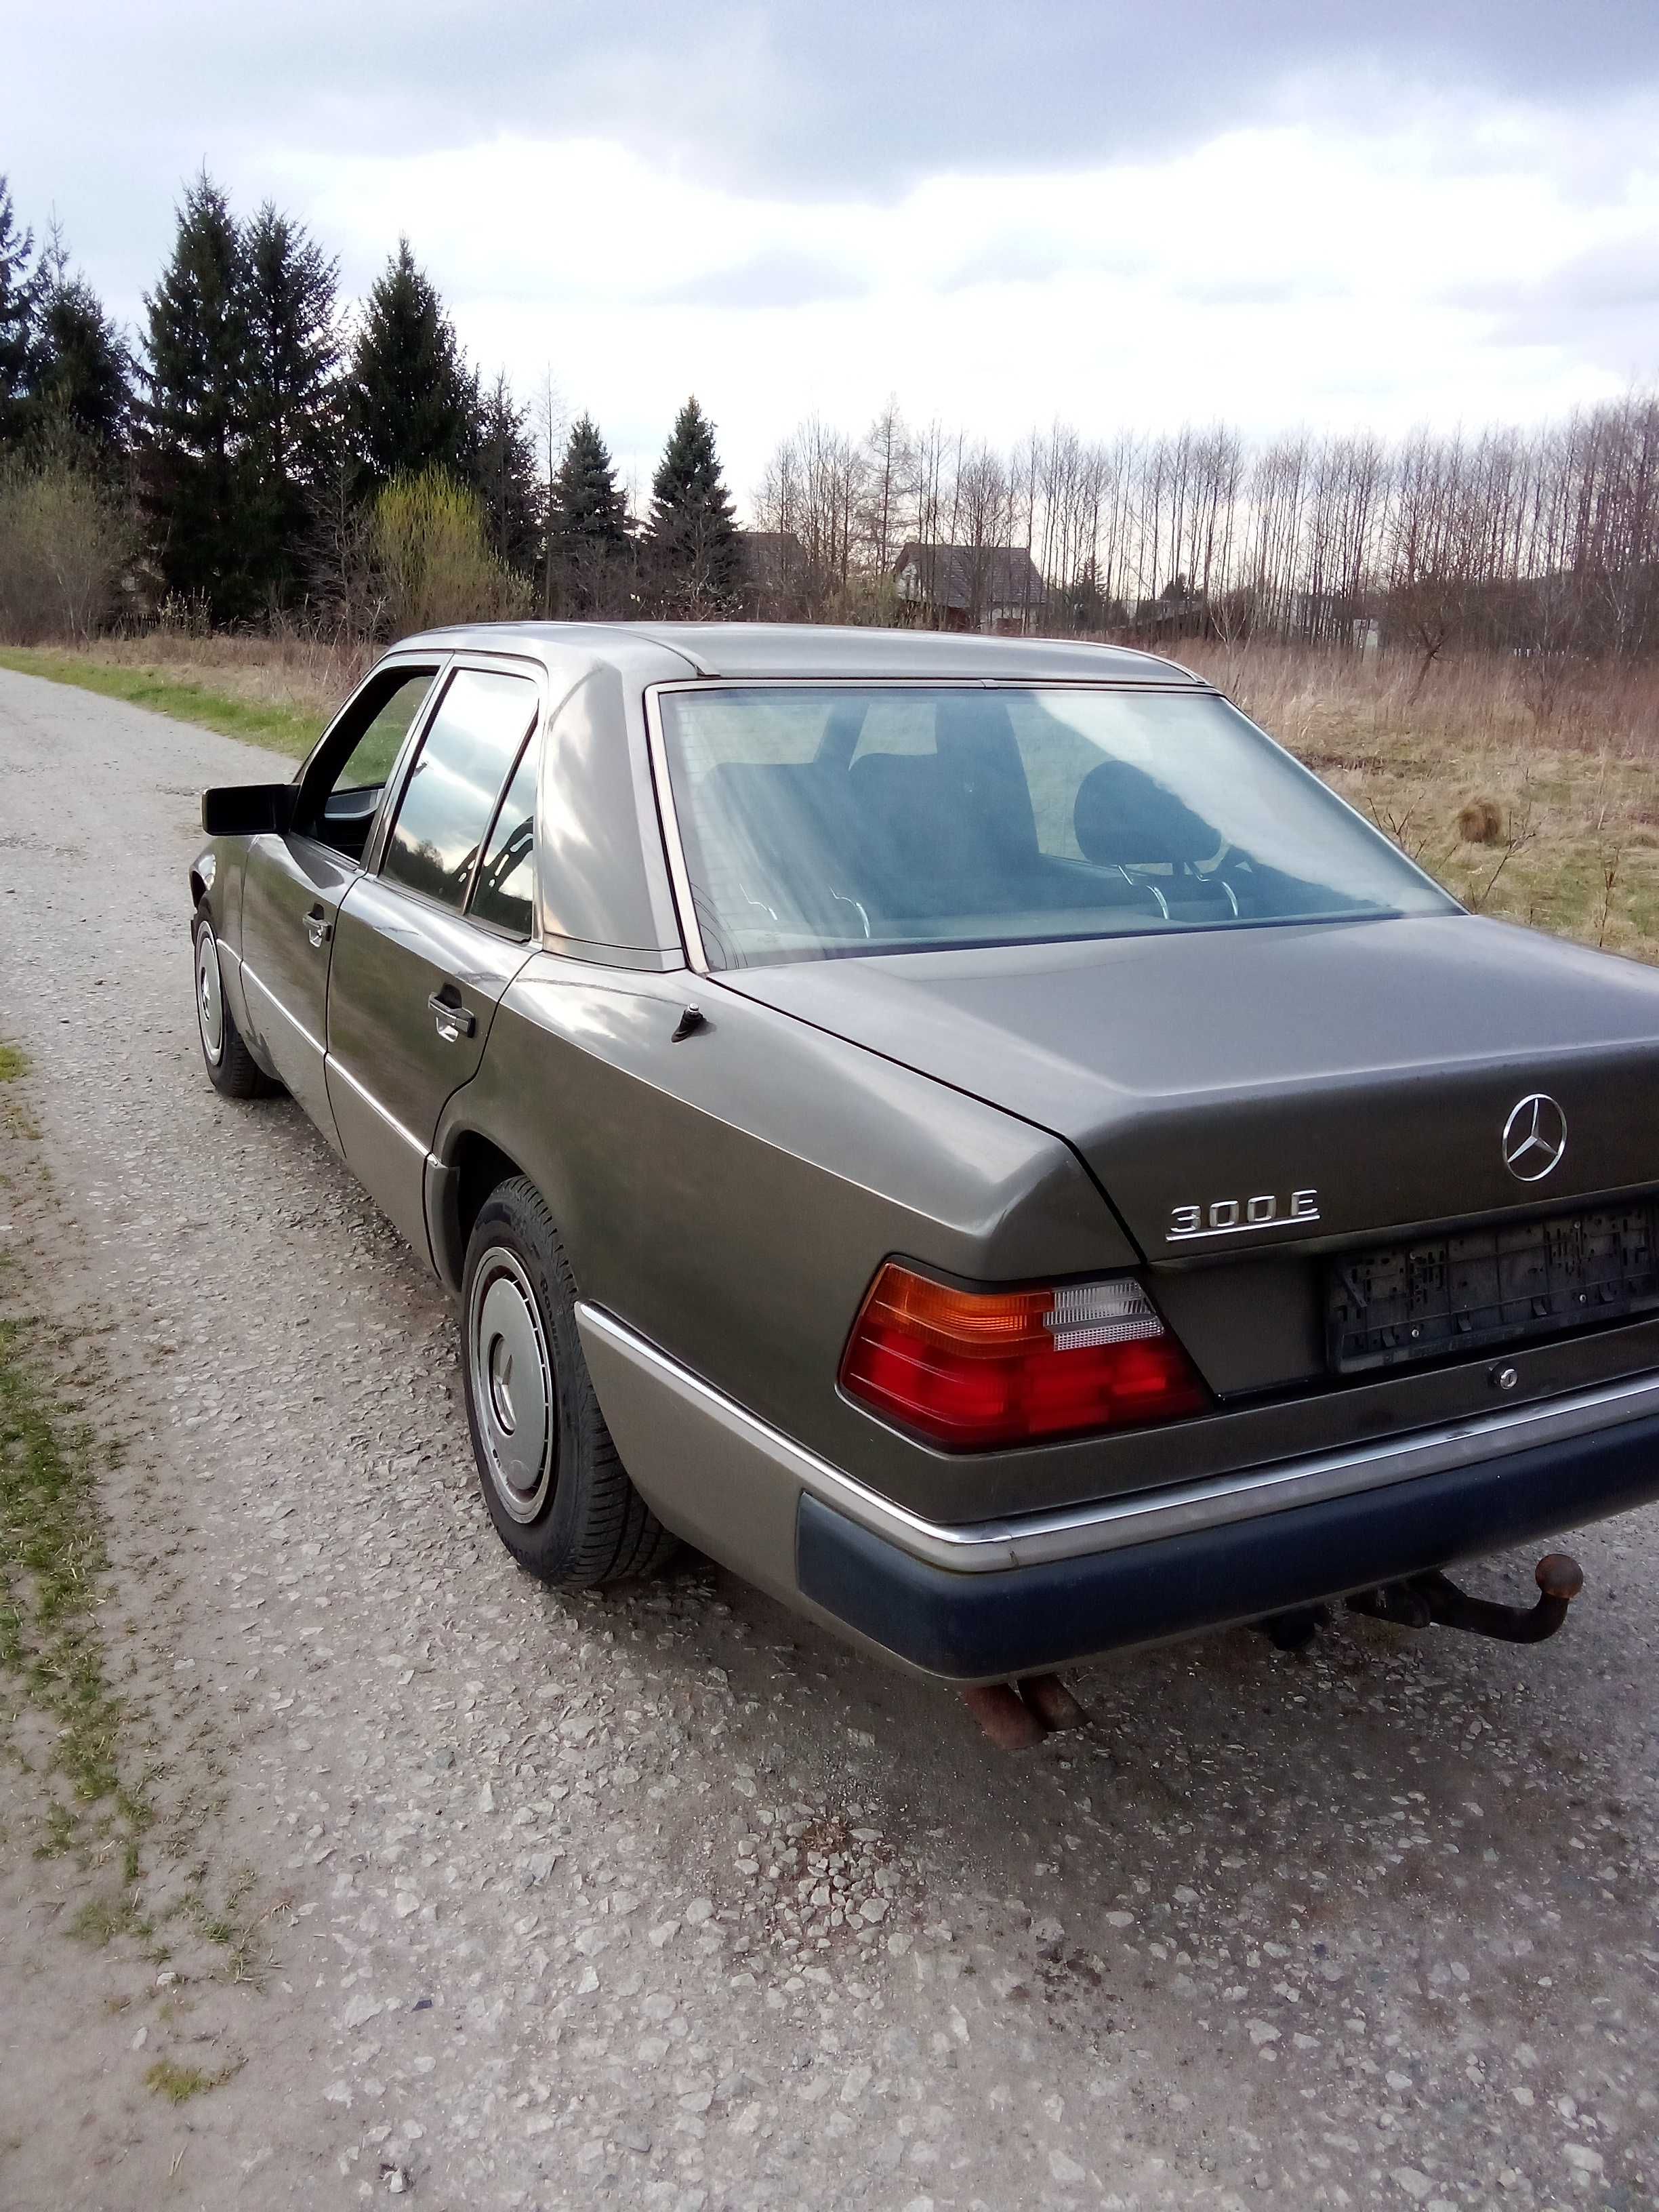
(1435, 1600)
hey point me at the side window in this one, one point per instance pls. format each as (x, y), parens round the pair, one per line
(505, 892)
(341, 804)
(450, 797)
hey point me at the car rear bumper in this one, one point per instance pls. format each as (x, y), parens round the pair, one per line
(1019, 1620)
(982, 1602)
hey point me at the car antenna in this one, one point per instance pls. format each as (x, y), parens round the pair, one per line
(690, 1021)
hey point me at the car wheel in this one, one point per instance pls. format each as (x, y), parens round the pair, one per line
(231, 1067)
(559, 1496)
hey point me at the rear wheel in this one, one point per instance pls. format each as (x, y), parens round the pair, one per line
(559, 1496)
(232, 1068)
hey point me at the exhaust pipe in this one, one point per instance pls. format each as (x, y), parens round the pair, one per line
(1016, 1719)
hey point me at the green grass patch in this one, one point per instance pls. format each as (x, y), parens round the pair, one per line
(284, 729)
(13, 1063)
(52, 1562)
(179, 2084)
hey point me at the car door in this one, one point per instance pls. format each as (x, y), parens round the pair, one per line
(426, 944)
(293, 885)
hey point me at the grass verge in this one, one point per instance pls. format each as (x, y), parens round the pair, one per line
(53, 1561)
(283, 728)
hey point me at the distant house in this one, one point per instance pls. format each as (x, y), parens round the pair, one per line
(984, 587)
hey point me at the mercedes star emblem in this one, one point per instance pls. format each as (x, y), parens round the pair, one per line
(1535, 1137)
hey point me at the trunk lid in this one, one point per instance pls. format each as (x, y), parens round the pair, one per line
(1212, 1081)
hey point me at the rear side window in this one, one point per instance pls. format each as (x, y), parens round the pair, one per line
(449, 800)
(504, 893)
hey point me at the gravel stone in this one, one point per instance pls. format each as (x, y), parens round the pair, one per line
(663, 1898)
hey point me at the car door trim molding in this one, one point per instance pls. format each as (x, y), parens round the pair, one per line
(252, 975)
(337, 1067)
(1074, 1532)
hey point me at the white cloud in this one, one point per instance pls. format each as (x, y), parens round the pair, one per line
(1271, 275)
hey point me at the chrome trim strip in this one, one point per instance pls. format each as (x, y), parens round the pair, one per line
(335, 1067)
(1076, 1531)
(292, 1020)
(679, 876)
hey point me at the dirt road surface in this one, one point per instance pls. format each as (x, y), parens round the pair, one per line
(665, 1899)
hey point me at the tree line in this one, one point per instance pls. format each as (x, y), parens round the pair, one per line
(1544, 539)
(257, 454)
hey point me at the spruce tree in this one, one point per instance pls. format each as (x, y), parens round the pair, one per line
(293, 351)
(82, 377)
(195, 474)
(588, 525)
(693, 537)
(19, 301)
(412, 403)
(505, 476)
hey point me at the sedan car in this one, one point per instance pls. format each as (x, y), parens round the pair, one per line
(967, 1132)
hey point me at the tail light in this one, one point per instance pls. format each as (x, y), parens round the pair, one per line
(975, 1370)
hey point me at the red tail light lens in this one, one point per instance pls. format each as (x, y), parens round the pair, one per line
(975, 1370)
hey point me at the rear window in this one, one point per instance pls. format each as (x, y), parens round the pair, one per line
(820, 821)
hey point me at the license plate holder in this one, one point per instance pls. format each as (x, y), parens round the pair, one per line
(1443, 1298)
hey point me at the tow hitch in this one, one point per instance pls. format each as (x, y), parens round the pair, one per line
(1435, 1600)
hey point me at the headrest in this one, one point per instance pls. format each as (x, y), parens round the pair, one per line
(1125, 818)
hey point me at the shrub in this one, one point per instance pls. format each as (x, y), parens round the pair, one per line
(1481, 821)
(65, 542)
(434, 560)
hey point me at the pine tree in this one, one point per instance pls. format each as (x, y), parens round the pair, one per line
(195, 471)
(412, 403)
(80, 378)
(19, 301)
(693, 537)
(506, 476)
(293, 351)
(588, 525)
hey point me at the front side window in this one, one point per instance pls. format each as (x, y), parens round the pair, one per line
(820, 821)
(340, 802)
(449, 799)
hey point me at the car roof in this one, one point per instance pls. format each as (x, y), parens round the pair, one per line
(809, 650)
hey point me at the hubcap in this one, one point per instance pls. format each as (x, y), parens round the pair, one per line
(210, 1007)
(510, 1376)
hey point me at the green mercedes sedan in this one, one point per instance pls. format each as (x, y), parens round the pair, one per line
(965, 1130)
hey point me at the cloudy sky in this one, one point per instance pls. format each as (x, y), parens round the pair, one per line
(1277, 211)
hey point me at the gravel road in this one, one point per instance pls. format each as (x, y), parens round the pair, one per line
(665, 1899)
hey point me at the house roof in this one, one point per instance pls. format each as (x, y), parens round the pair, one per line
(974, 576)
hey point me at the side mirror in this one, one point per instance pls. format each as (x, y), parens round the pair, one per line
(249, 809)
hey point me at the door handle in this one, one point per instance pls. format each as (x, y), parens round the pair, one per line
(453, 1019)
(318, 929)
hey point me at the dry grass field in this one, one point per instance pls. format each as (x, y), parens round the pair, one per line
(1531, 791)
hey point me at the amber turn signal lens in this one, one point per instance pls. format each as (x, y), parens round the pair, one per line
(975, 1371)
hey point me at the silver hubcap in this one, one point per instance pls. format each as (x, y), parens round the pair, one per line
(510, 1376)
(210, 1007)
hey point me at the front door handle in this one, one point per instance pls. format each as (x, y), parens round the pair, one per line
(453, 1019)
(318, 929)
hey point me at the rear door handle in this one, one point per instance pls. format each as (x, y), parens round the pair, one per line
(318, 929)
(453, 1019)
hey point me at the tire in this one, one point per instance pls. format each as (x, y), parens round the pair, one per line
(231, 1069)
(558, 1494)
